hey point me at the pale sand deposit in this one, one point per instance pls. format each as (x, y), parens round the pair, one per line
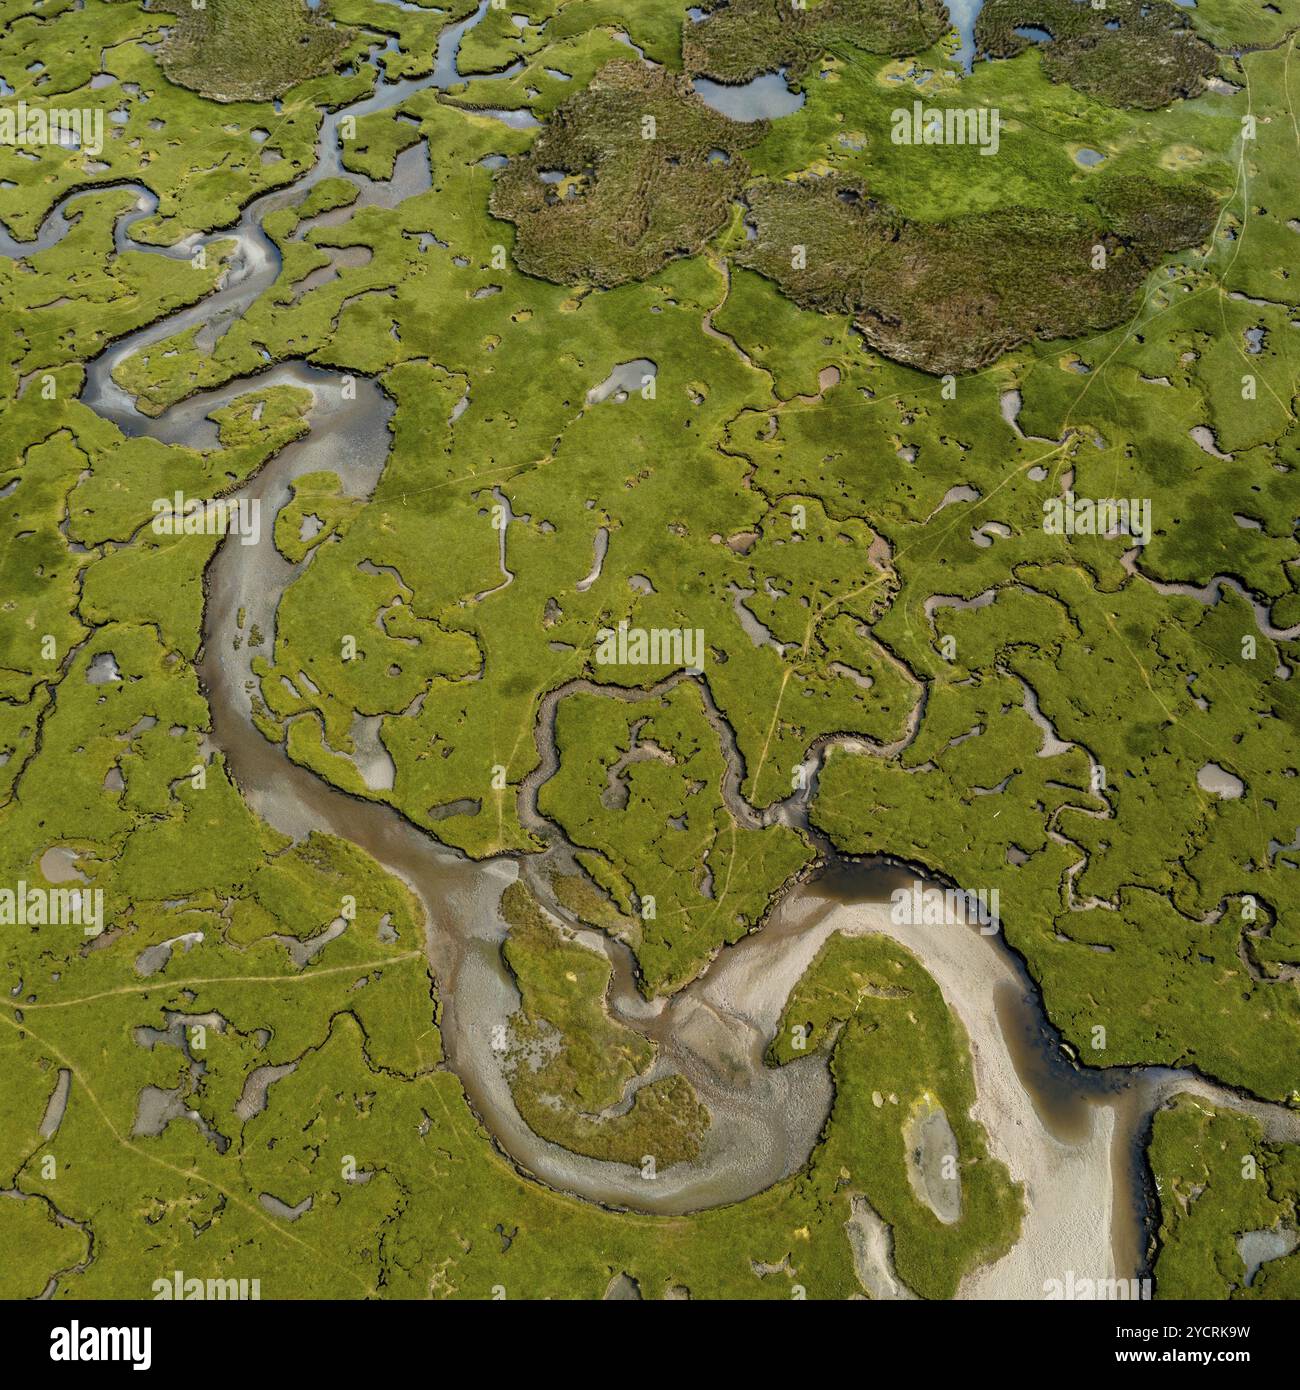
(1068, 1187)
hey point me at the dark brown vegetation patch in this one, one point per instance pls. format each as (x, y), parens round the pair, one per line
(953, 296)
(1141, 53)
(738, 39)
(628, 174)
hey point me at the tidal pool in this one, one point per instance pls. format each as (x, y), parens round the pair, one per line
(763, 98)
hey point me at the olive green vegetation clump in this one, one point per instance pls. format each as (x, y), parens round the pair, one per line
(1141, 53)
(739, 39)
(953, 296)
(651, 172)
(570, 1061)
(640, 790)
(1219, 1180)
(250, 50)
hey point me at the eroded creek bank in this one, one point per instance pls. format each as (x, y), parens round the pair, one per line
(1074, 1138)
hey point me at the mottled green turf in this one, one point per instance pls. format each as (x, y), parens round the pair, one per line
(1217, 1178)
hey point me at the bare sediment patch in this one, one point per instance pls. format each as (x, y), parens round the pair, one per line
(155, 958)
(1218, 781)
(59, 865)
(252, 1099)
(58, 1103)
(623, 380)
(278, 1207)
(872, 1242)
(1205, 438)
(1257, 1248)
(622, 1288)
(933, 1161)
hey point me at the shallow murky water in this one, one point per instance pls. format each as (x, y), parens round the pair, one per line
(762, 98)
